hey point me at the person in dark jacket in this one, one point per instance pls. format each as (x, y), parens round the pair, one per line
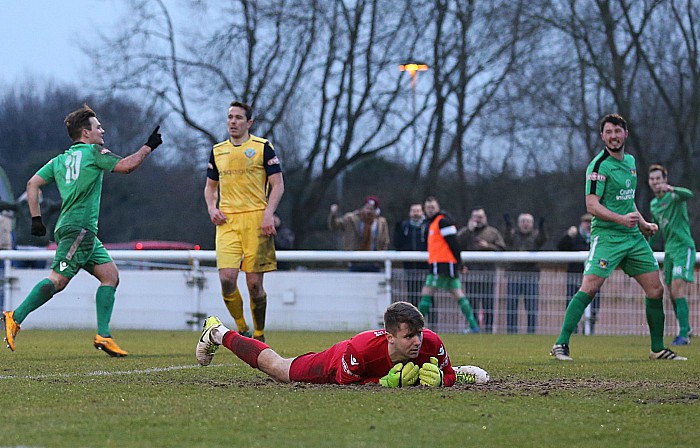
(411, 235)
(284, 240)
(24, 240)
(523, 278)
(578, 239)
(479, 235)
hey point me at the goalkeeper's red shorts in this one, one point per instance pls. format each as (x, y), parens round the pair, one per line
(309, 368)
(318, 368)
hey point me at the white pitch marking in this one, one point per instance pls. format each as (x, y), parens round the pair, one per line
(107, 373)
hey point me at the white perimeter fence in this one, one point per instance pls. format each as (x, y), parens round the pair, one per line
(175, 290)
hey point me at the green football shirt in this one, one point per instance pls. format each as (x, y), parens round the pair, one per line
(615, 181)
(78, 174)
(670, 212)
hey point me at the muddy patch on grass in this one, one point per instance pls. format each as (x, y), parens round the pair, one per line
(687, 392)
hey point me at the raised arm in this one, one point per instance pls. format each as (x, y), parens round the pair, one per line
(130, 163)
(682, 193)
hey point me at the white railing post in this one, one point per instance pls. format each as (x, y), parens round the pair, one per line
(6, 286)
(587, 320)
(196, 280)
(194, 266)
(387, 280)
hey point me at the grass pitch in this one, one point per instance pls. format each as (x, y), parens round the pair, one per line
(56, 390)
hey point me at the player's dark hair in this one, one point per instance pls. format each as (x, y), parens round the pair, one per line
(246, 107)
(78, 120)
(614, 119)
(659, 167)
(403, 313)
(431, 199)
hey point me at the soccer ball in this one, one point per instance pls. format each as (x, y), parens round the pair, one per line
(471, 374)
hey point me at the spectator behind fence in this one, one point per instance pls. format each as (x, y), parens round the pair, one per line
(24, 240)
(284, 240)
(6, 224)
(578, 239)
(523, 278)
(6, 243)
(479, 235)
(363, 229)
(411, 235)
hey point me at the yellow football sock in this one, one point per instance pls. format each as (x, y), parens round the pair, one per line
(258, 307)
(234, 303)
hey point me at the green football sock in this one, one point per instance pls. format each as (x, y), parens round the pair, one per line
(40, 294)
(573, 315)
(680, 306)
(104, 303)
(426, 303)
(468, 312)
(655, 319)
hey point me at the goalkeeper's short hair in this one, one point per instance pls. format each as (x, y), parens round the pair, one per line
(403, 313)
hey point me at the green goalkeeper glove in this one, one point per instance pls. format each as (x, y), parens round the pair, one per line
(430, 374)
(400, 375)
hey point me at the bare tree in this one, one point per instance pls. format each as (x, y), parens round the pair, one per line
(514, 87)
(334, 63)
(556, 91)
(255, 55)
(606, 59)
(475, 47)
(669, 52)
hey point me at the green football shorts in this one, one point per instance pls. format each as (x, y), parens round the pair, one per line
(77, 248)
(679, 264)
(442, 282)
(630, 252)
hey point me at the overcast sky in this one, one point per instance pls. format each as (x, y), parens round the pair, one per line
(36, 36)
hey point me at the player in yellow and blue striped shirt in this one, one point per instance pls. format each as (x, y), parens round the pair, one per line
(243, 189)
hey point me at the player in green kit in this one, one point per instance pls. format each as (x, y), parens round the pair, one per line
(670, 212)
(617, 239)
(78, 174)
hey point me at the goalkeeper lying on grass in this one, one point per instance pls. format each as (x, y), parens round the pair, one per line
(403, 354)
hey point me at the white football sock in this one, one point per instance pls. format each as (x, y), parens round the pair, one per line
(217, 334)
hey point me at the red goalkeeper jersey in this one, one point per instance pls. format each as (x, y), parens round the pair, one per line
(365, 359)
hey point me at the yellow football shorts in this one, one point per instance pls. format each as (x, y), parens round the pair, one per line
(240, 244)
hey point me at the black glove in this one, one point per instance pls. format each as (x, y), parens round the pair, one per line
(540, 225)
(506, 219)
(38, 228)
(154, 139)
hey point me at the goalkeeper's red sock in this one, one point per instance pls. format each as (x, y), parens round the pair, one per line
(245, 348)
